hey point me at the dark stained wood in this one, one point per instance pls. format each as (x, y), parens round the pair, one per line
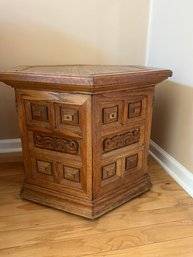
(85, 153)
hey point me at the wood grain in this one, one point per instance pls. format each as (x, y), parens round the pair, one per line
(83, 78)
(85, 148)
(158, 223)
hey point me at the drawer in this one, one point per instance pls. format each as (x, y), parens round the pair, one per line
(54, 142)
(119, 111)
(124, 169)
(59, 174)
(56, 113)
(133, 137)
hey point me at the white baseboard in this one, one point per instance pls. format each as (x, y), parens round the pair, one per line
(10, 145)
(175, 169)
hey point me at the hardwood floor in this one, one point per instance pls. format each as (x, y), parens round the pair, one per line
(159, 223)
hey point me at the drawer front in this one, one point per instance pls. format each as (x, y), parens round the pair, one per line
(114, 114)
(116, 171)
(56, 142)
(122, 125)
(55, 114)
(127, 139)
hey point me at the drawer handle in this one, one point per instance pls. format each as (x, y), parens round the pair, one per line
(113, 115)
(68, 117)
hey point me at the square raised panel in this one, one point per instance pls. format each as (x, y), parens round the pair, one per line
(110, 114)
(109, 170)
(131, 162)
(72, 174)
(71, 177)
(68, 119)
(134, 109)
(69, 116)
(44, 167)
(39, 114)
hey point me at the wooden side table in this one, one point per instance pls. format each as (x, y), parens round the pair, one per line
(85, 133)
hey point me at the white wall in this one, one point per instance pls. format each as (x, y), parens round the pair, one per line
(171, 38)
(35, 32)
(171, 46)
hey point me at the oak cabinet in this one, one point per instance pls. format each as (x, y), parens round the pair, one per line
(85, 133)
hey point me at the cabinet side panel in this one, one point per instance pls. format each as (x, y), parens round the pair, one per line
(121, 128)
(56, 140)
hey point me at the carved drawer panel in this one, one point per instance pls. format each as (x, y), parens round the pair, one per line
(117, 170)
(56, 112)
(56, 143)
(53, 173)
(116, 115)
(132, 137)
(39, 113)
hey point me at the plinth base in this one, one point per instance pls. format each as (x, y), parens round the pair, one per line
(84, 207)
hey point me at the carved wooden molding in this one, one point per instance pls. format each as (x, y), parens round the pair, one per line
(122, 140)
(59, 144)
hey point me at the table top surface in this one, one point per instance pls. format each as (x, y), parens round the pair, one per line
(87, 75)
(80, 70)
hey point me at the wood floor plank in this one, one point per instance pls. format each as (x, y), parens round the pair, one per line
(161, 196)
(39, 244)
(174, 248)
(148, 226)
(48, 217)
(11, 185)
(115, 238)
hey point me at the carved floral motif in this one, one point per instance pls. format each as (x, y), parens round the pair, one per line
(122, 140)
(59, 144)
